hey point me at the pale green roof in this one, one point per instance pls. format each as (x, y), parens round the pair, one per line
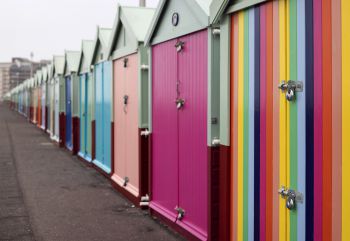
(135, 19)
(139, 20)
(202, 6)
(87, 49)
(72, 61)
(102, 38)
(58, 62)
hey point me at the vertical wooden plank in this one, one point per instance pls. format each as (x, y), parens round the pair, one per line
(234, 126)
(263, 122)
(309, 125)
(336, 121)
(327, 119)
(283, 124)
(240, 123)
(257, 125)
(246, 125)
(293, 113)
(269, 118)
(251, 213)
(345, 119)
(301, 140)
(276, 124)
(318, 135)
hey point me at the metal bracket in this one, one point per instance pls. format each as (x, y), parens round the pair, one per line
(179, 46)
(145, 133)
(180, 213)
(126, 180)
(126, 60)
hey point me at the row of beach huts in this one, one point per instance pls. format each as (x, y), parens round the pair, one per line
(228, 120)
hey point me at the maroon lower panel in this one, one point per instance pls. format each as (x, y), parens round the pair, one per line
(214, 192)
(76, 135)
(144, 165)
(112, 147)
(93, 140)
(224, 201)
(219, 193)
(62, 140)
(46, 117)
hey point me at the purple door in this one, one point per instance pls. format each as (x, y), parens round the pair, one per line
(180, 162)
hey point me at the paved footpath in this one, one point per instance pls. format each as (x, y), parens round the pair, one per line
(47, 194)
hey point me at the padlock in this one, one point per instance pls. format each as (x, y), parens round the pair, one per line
(290, 95)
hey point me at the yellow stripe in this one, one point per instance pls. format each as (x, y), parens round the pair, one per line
(283, 111)
(345, 119)
(240, 125)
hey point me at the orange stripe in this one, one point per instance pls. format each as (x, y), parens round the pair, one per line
(327, 119)
(336, 121)
(234, 127)
(269, 118)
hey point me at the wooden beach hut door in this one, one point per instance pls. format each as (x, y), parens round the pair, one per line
(103, 103)
(179, 132)
(57, 108)
(268, 123)
(126, 123)
(43, 105)
(85, 117)
(69, 113)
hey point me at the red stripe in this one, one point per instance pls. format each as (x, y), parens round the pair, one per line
(327, 118)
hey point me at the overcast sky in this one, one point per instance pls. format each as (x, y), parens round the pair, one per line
(47, 27)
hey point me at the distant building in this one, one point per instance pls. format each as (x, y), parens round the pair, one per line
(14, 73)
(4, 79)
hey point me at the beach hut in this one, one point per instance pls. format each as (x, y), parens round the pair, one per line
(102, 124)
(50, 100)
(72, 100)
(59, 105)
(130, 104)
(38, 77)
(184, 118)
(86, 100)
(287, 69)
(31, 93)
(44, 98)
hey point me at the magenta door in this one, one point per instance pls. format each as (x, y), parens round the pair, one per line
(126, 132)
(180, 162)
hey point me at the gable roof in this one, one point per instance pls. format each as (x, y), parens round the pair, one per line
(38, 76)
(102, 38)
(220, 7)
(49, 71)
(58, 65)
(44, 73)
(135, 19)
(72, 61)
(203, 6)
(87, 48)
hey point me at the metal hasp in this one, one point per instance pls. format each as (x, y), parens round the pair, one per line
(179, 46)
(125, 61)
(180, 103)
(291, 87)
(180, 213)
(126, 180)
(291, 196)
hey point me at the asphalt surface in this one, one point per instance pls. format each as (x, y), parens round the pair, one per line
(47, 194)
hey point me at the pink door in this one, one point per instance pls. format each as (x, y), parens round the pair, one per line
(180, 134)
(126, 146)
